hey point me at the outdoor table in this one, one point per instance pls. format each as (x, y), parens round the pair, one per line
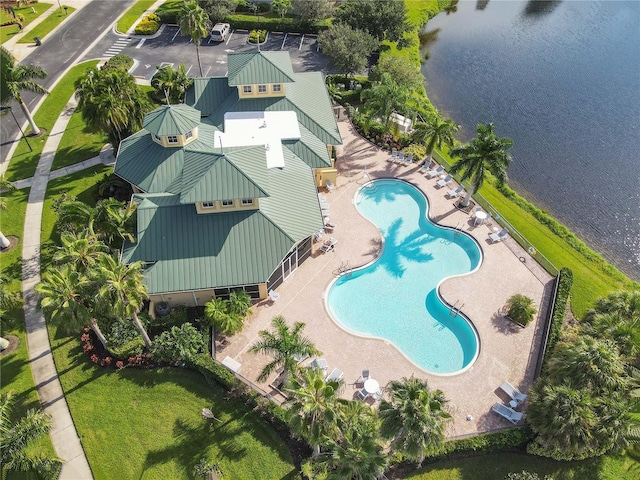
(513, 403)
(480, 217)
(371, 386)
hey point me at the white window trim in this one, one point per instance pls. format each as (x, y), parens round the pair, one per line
(263, 89)
(247, 201)
(208, 205)
(277, 88)
(222, 202)
(169, 137)
(188, 135)
(246, 89)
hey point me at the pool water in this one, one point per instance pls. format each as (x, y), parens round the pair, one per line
(395, 297)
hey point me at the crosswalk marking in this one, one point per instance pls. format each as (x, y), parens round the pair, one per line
(117, 47)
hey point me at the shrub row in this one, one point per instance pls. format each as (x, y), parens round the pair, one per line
(504, 439)
(565, 282)
(273, 24)
(148, 25)
(118, 62)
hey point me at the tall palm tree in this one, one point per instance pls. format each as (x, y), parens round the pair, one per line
(485, 153)
(414, 418)
(5, 186)
(122, 289)
(111, 220)
(16, 438)
(284, 344)
(434, 133)
(62, 293)
(588, 363)
(81, 250)
(171, 83)
(314, 406)
(19, 78)
(194, 22)
(385, 98)
(216, 311)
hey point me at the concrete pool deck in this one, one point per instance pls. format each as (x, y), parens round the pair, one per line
(507, 352)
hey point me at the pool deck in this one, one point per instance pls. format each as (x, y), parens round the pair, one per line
(507, 352)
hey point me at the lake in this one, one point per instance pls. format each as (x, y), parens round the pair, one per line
(562, 79)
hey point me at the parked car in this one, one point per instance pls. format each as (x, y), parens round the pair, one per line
(220, 31)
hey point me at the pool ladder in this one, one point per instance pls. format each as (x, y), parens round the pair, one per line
(343, 269)
(458, 228)
(455, 309)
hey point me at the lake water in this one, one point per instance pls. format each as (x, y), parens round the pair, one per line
(562, 79)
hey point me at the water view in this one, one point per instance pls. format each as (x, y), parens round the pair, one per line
(562, 79)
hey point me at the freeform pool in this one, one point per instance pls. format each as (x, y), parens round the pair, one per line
(395, 297)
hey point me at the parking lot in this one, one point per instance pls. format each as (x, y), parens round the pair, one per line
(171, 48)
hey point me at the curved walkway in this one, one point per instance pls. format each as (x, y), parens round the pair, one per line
(63, 433)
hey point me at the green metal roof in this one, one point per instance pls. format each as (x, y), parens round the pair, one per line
(206, 94)
(186, 251)
(171, 120)
(253, 68)
(214, 176)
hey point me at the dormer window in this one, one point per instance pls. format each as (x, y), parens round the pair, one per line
(188, 135)
(172, 139)
(246, 89)
(262, 89)
(247, 201)
(227, 203)
(277, 88)
(157, 138)
(208, 204)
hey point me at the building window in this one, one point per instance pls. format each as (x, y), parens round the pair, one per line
(277, 88)
(246, 89)
(172, 139)
(262, 89)
(247, 201)
(227, 203)
(208, 205)
(188, 135)
(156, 138)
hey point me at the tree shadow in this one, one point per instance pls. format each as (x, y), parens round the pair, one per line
(503, 325)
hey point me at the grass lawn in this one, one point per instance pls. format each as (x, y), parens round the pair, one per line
(23, 162)
(47, 25)
(13, 224)
(78, 143)
(134, 13)
(10, 31)
(146, 424)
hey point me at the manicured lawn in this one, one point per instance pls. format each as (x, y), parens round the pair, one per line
(23, 163)
(9, 31)
(146, 424)
(134, 13)
(78, 143)
(12, 223)
(47, 25)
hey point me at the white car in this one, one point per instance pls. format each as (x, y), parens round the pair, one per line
(219, 32)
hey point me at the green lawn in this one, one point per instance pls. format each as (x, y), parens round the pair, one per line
(47, 25)
(78, 143)
(23, 162)
(146, 424)
(126, 21)
(10, 31)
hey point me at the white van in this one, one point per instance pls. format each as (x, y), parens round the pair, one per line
(219, 32)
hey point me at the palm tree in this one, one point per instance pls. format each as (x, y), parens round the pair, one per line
(414, 418)
(588, 363)
(239, 303)
(8, 300)
(194, 22)
(485, 153)
(122, 289)
(5, 186)
(112, 102)
(385, 98)
(434, 133)
(16, 439)
(19, 78)
(314, 406)
(521, 309)
(170, 83)
(111, 219)
(81, 250)
(217, 313)
(62, 293)
(284, 344)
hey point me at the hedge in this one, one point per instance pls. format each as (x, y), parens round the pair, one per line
(504, 439)
(119, 62)
(565, 282)
(241, 21)
(214, 373)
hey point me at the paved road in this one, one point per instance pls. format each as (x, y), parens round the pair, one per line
(59, 51)
(170, 47)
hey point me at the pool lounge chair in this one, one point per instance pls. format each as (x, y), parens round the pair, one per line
(319, 363)
(453, 193)
(434, 172)
(362, 394)
(318, 235)
(424, 168)
(408, 160)
(513, 392)
(498, 237)
(444, 181)
(394, 155)
(508, 413)
(377, 396)
(329, 184)
(329, 245)
(400, 158)
(335, 375)
(273, 295)
(328, 226)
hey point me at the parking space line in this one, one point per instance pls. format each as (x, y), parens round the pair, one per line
(140, 43)
(301, 40)
(230, 35)
(285, 39)
(190, 67)
(174, 37)
(207, 72)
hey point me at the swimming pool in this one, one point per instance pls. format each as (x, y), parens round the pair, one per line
(395, 297)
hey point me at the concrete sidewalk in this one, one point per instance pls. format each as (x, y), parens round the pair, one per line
(63, 434)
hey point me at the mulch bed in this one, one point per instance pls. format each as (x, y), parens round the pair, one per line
(14, 342)
(13, 241)
(466, 209)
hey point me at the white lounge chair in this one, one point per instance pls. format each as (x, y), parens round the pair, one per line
(362, 394)
(400, 158)
(319, 363)
(377, 396)
(329, 245)
(507, 412)
(329, 184)
(318, 235)
(513, 392)
(328, 226)
(408, 160)
(498, 237)
(434, 172)
(335, 375)
(324, 206)
(394, 156)
(322, 198)
(455, 192)
(273, 295)
(424, 168)
(443, 182)
(300, 358)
